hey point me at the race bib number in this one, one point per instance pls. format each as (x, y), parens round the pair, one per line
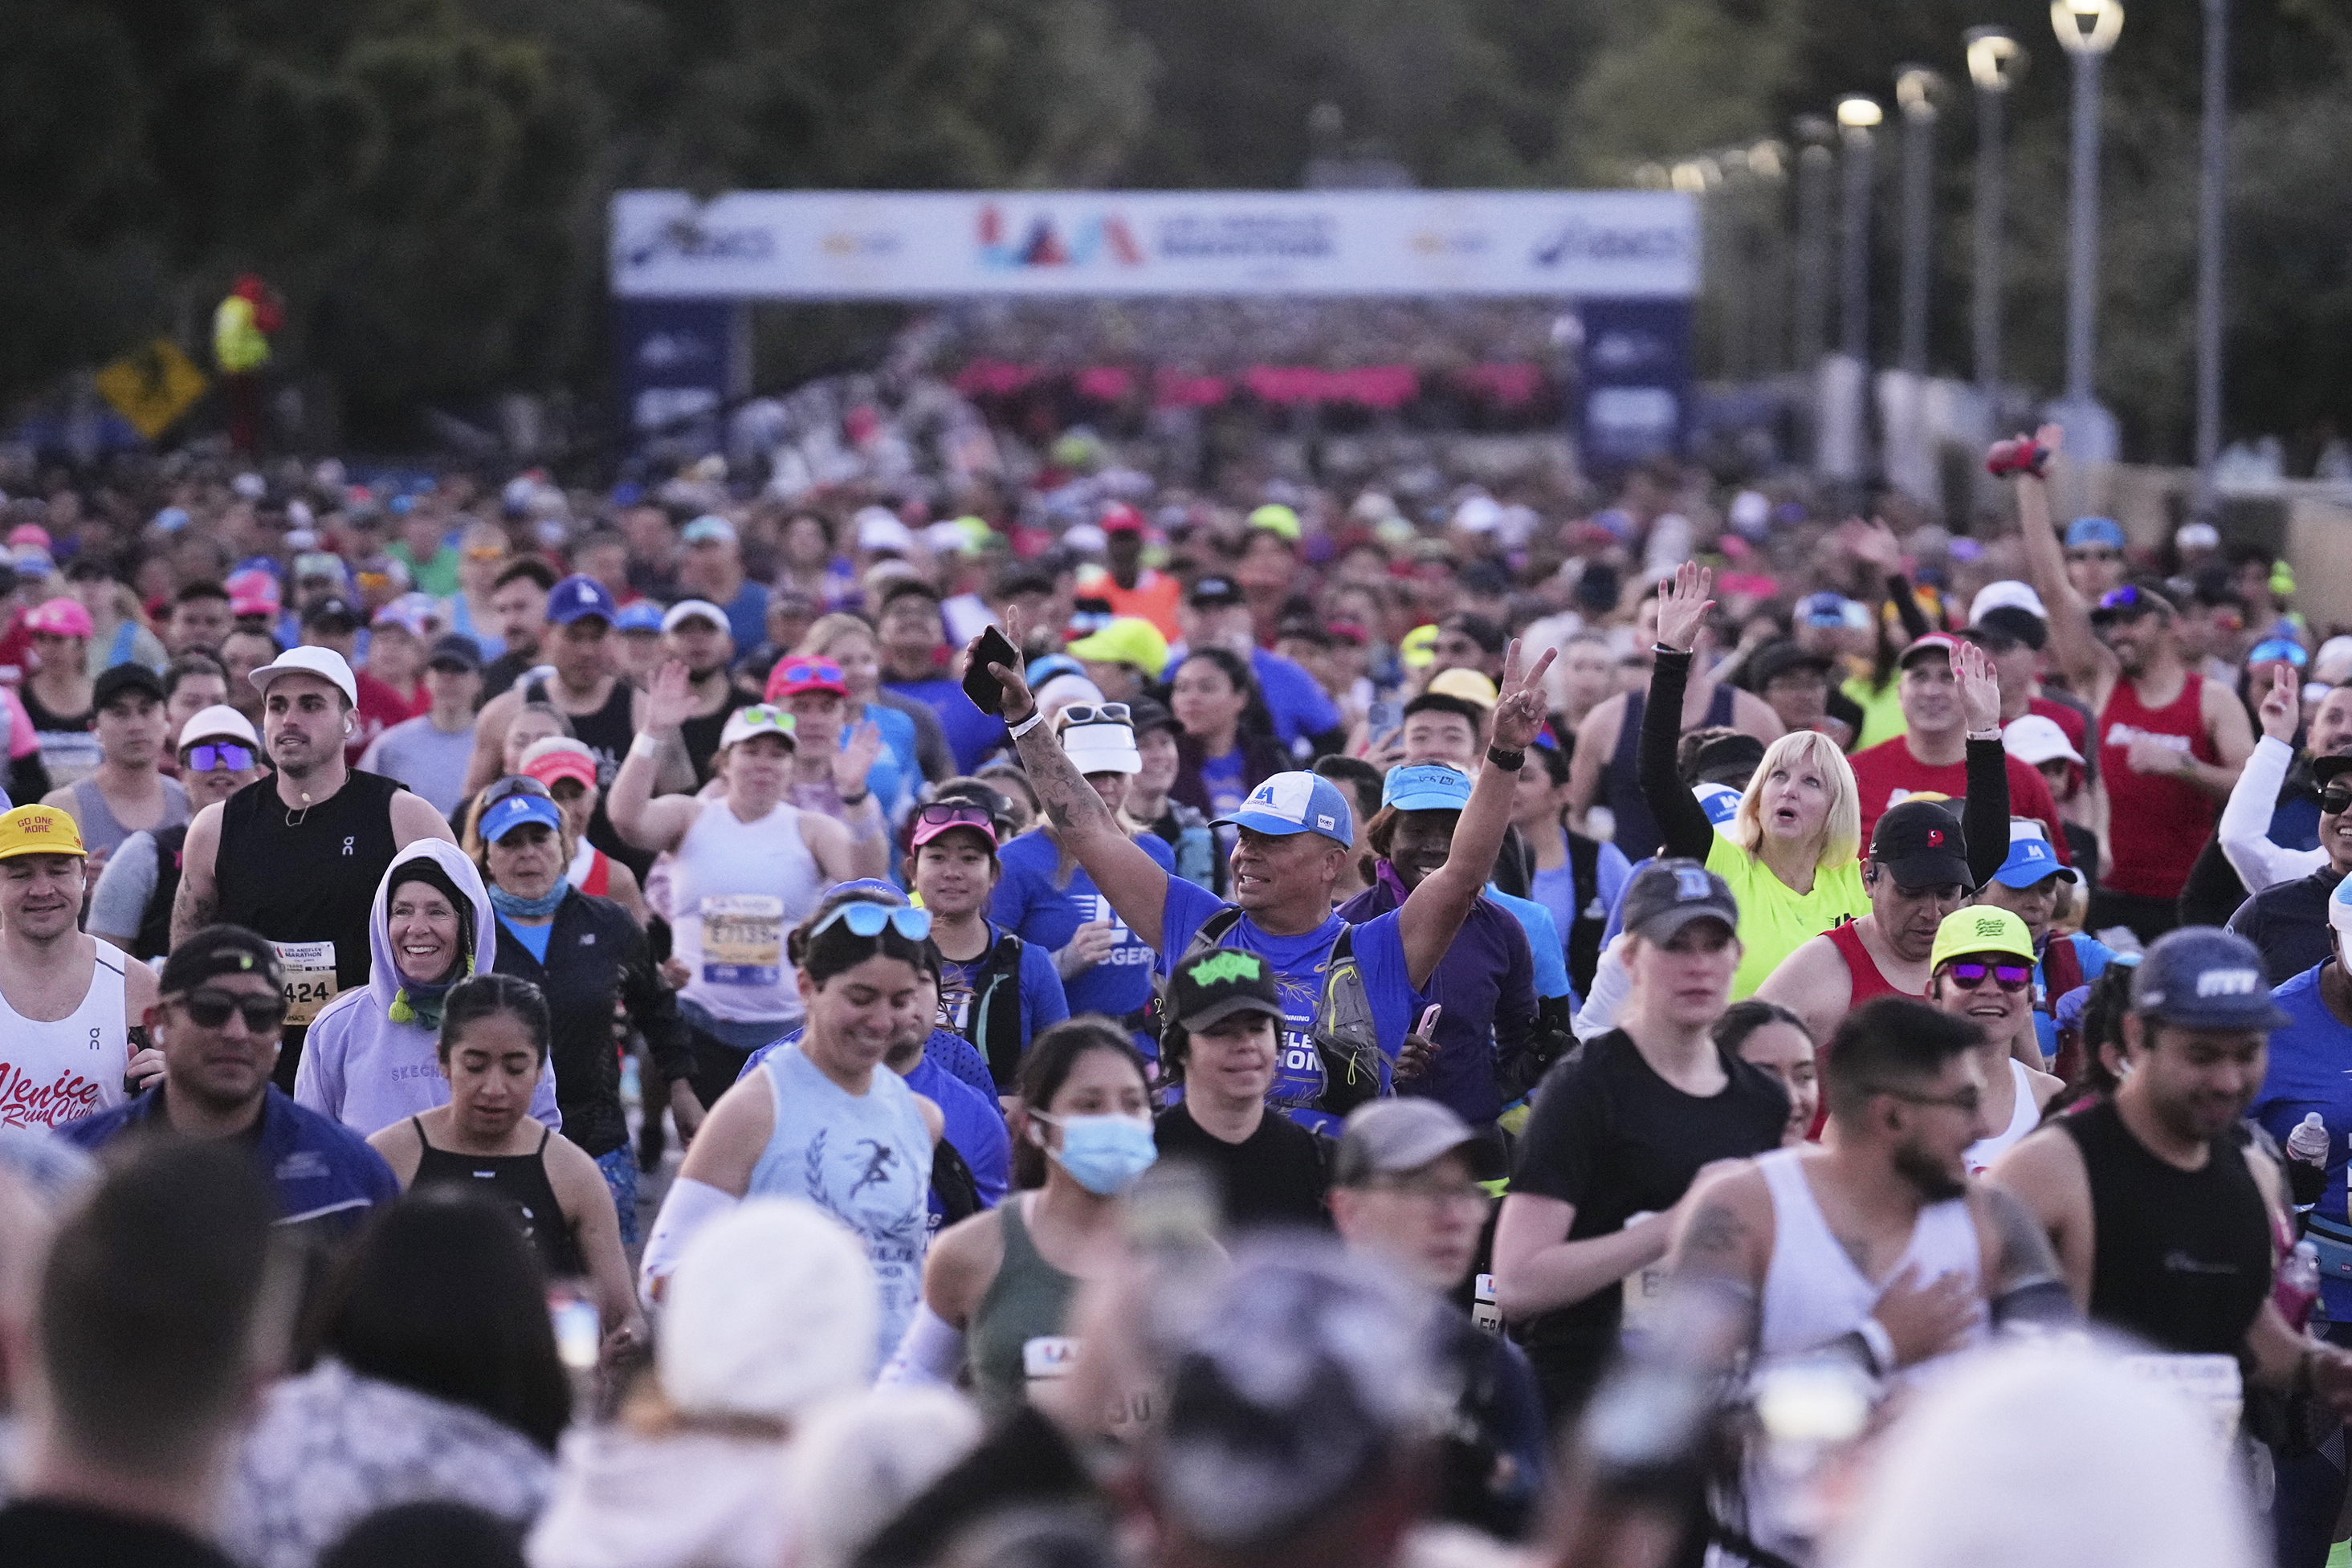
(742, 939)
(310, 968)
(1048, 1356)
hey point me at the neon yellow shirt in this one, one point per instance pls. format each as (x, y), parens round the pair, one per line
(1882, 712)
(1775, 920)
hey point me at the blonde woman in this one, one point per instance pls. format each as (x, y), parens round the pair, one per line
(1790, 852)
(849, 643)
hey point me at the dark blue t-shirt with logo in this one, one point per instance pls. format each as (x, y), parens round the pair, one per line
(1029, 904)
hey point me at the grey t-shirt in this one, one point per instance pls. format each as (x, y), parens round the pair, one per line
(120, 902)
(430, 761)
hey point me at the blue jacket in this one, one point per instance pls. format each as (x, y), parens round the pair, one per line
(322, 1170)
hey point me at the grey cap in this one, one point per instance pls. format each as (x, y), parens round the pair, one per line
(1389, 1137)
(1668, 894)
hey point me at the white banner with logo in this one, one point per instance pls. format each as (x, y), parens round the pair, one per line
(821, 245)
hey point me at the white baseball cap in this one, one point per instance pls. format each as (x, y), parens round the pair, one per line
(687, 610)
(2007, 593)
(1105, 747)
(2036, 738)
(218, 722)
(324, 664)
(760, 718)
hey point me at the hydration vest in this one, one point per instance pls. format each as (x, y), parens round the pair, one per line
(1345, 1036)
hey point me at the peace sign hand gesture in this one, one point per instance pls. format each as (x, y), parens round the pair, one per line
(1520, 708)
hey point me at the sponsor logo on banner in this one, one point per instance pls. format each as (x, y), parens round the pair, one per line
(1578, 240)
(685, 239)
(1043, 242)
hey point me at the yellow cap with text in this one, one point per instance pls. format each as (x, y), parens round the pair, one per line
(38, 831)
(1966, 932)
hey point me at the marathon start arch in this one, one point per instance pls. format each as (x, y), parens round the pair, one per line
(1624, 262)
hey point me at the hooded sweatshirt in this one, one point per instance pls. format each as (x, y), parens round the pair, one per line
(367, 1071)
(690, 1500)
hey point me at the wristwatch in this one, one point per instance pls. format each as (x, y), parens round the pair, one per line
(1508, 761)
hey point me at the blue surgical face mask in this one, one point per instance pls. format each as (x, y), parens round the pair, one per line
(1103, 1154)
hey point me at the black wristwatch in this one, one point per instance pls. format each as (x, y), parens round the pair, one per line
(1508, 761)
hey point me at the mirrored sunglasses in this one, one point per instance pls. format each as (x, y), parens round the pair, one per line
(213, 755)
(810, 671)
(868, 919)
(1968, 976)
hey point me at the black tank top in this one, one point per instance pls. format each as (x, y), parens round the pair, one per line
(606, 733)
(1637, 832)
(701, 737)
(517, 1182)
(307, 876)
(153, 939)
(2183, 1258)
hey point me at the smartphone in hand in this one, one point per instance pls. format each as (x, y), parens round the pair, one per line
(986, 691)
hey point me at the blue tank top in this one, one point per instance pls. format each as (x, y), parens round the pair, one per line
(863, 1159)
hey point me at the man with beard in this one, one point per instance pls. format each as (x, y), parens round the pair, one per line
(2171, 743)
(2150, 1197)
(1917, 872)
(693, 633)
(295, 856)
(1982, 970)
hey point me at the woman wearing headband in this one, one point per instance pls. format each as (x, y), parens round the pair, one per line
(822, 1119)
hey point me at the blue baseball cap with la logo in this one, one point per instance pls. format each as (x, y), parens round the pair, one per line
(2030, 861)
(1288, 803)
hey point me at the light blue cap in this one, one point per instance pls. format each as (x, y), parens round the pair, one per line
(2030, 861)
(2104, 532)
(1426, 786)
(515, 811)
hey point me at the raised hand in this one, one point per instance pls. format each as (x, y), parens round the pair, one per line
(1682, 604)
(1519, 706)
(855, 760)
(1019, 701)
(2281, 707)
(1873, 543)
(1980, 688)
(669, 701)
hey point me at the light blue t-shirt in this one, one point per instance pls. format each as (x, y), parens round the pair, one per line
(1299, 963)
(531, 936)
(1556, 889)
(2307, 1073)
(1027, 904)
(1543, 941)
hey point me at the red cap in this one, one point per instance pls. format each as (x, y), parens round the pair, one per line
(1119, 518)
(798, 672)
(556, 764)
(1932, 640)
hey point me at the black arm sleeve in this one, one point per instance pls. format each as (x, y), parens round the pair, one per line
(1683, 826)
(28, 778)
(1984, 818)
(1907, 606)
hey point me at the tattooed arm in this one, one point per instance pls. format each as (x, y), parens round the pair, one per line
(1090, 834)
(2023, 1280)
(197, 903)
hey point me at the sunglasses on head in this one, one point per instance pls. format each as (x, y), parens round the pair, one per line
(1968, 974)
(2127, 598)
(954, 815)
(513, 784)
(208, 1006)
(800, 672)
(868, 919)
(1096, 713)
(216, 754)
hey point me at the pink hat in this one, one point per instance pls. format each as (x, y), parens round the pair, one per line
(29, 533)
(60, 618)
(252, 593)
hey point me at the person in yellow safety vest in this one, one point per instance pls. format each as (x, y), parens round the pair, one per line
(241, 325)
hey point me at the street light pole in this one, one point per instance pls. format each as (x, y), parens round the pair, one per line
(1857, 115)
(2213, 204)
(2087, 30)
(1995, 61)
(1814, 164)
(1915, 93)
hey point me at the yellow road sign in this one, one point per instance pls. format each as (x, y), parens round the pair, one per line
(153, 387)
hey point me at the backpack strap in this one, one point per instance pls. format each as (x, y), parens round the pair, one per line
(1208, 936)
(1582, 937)
(994, 1024)
(1346, 1037)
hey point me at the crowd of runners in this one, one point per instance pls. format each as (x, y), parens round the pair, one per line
(1104, 1022)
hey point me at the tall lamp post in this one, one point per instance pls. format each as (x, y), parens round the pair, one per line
(2087, 30)
(1857, 117)
(2213, 203)
(1996, 59)
(1914, 94)
(1814, 164)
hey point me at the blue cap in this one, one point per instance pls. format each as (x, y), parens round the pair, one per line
(1823, 609)
(1426, 786)
(2083, 532)
(2272, 648)
(2202, 976)
(2030, 861)
(643, 615)
(512, 812)
(1719, 801)
(1289, 803)
(577, 596)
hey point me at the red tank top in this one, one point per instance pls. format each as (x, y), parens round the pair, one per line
(1862, 971)
(598, 883)
(2157, 825)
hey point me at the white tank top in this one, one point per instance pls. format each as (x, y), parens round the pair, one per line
(1813, 1292)
(736, 888)
(53, 1072)
(2023, 1117)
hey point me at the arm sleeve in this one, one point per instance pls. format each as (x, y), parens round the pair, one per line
(1681, 823)
(1984, 820)
(929, 1356)
(2245, 823)
(119, 902)
(690, 1206)
(1611, 986)
(1906, 607)
(652, 1006)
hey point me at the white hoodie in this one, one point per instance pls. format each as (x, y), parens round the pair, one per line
(367, 1071)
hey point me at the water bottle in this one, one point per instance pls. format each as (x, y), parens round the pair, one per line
(2308, 1142)
(2297, 1290)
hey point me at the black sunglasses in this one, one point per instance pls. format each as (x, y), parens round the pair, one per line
(2333, 801)
(513, 784)
(209, 1007)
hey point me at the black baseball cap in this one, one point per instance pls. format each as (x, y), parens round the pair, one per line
(457, 650)
(2016, 623)
(327, 612)
(1147, 716)
(1778, 657)
(1214, 593)
(1921, 845)
(1668, 894)
(1205, 991)
(1727, 760)
(117, 679)
(219, 950)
